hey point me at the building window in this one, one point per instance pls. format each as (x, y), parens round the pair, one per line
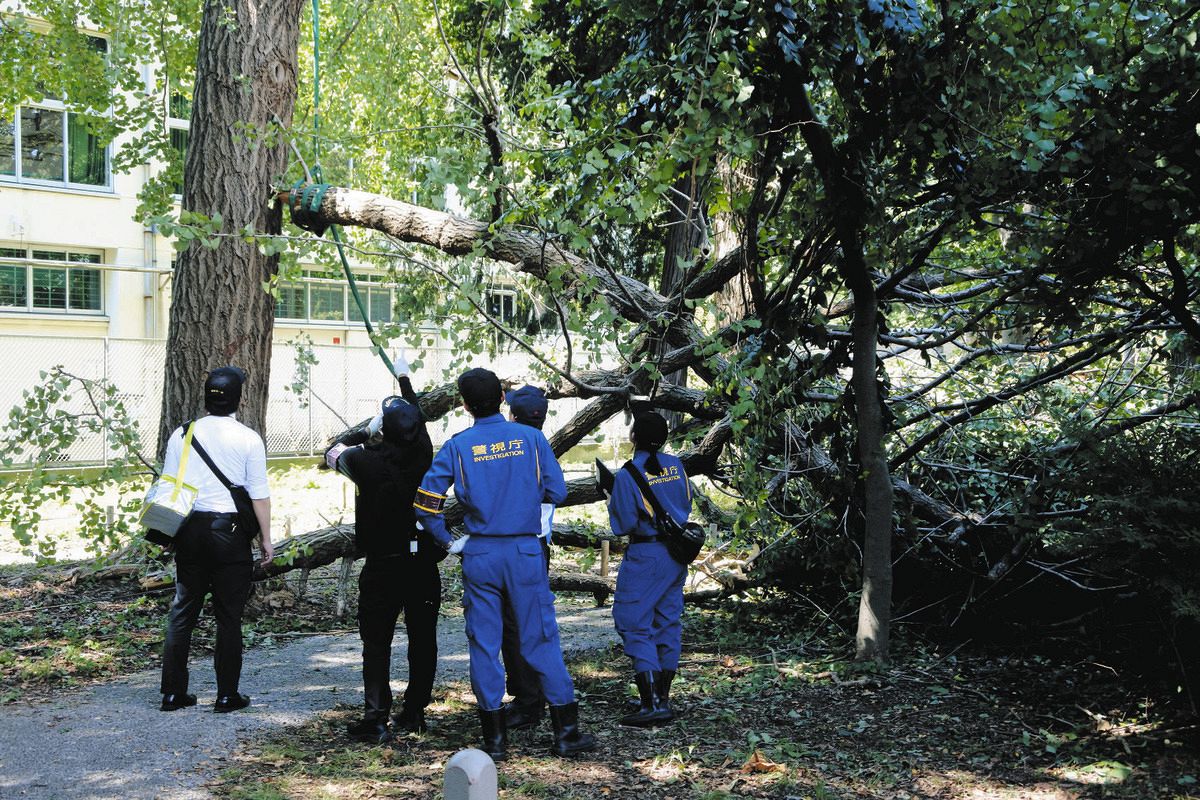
(48, 281)
(179, 112)
(502, 305)
(321, 299)
(46, 143)
(52, 146)
(376, 298)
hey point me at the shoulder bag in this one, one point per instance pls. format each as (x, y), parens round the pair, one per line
(683, 541)
(169, 501)
(247, 520)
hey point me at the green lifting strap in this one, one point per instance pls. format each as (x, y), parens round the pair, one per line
(307, 201)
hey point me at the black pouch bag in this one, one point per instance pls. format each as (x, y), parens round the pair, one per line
(683, 542)
(247, 520)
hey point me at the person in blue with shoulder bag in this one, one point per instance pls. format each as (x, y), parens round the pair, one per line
(648, 601)
(502, 472)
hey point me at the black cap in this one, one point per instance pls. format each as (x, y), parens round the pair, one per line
(481, 391)
(649, 431)
(223, 390)
(401, 420)
(528, 405)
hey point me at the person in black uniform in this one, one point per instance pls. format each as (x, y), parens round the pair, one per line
(400, 572)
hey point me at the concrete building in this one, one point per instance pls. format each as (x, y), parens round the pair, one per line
(85, 285)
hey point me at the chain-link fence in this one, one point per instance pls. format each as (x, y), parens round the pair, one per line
(316, 391)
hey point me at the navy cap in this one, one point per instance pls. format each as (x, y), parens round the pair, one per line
(223, 390)
(528, 405)
(481, 391)
(649, 431)
(401, 420)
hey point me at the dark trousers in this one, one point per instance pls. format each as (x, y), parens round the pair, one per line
(211, 557)
(521, 681)
(387, 587)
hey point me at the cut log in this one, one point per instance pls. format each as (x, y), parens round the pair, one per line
(310, 550)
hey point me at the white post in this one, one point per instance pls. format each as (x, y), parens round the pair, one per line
(470, 775)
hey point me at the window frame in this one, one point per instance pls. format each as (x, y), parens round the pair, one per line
(368, 284)
(56, 105)
(181, 125)
(66, 266)
(503, 294)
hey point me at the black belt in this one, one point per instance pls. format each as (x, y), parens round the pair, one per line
(212, 515)
(636, 539)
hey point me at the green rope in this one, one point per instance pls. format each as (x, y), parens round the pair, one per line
(316, 10)
(313, 194)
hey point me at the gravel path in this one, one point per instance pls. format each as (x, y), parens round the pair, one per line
(111, 741)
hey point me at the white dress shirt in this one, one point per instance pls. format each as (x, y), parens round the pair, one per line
(236, 450)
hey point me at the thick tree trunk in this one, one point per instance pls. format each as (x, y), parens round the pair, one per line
(220, 314)
(686, 236)
(875, 605)
(848, 203)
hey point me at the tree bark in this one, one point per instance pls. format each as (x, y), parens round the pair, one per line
(220, 313)
(686, 236)
(455, 235)
(848, 204)
(875, 605)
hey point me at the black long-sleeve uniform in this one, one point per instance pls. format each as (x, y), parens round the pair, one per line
(400, 572)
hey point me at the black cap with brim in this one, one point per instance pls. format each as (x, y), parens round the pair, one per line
(481, 391)
(223, 390)
(401, 420)
(649, 430)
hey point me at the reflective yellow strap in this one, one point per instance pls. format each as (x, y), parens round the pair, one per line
(646, 503)
(429, 501)
(183, 459)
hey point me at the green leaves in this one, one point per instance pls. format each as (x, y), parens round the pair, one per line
(40, 433)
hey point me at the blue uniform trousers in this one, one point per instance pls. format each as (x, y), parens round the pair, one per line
(647, 606)
(511, 569)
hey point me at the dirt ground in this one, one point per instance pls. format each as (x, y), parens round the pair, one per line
(765, 717)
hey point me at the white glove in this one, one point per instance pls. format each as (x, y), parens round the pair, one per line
(401, 365)
(458, 544)
(375, 425)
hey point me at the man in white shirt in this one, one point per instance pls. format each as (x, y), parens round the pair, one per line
(212, 556)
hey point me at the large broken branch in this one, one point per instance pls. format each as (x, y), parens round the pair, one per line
(454, 235)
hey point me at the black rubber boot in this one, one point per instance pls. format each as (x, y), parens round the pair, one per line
(495, 735)
(568, 739)
(664, 691)
(650, 711)
(519, 715)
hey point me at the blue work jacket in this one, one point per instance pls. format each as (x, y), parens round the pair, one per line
(629, 512)
(501, 471)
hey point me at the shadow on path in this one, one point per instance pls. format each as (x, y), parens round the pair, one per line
(111, 741)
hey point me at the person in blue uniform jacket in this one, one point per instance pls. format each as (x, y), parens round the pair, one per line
(400, 570)
(648, 601)
(528, 406)
(502, 472)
